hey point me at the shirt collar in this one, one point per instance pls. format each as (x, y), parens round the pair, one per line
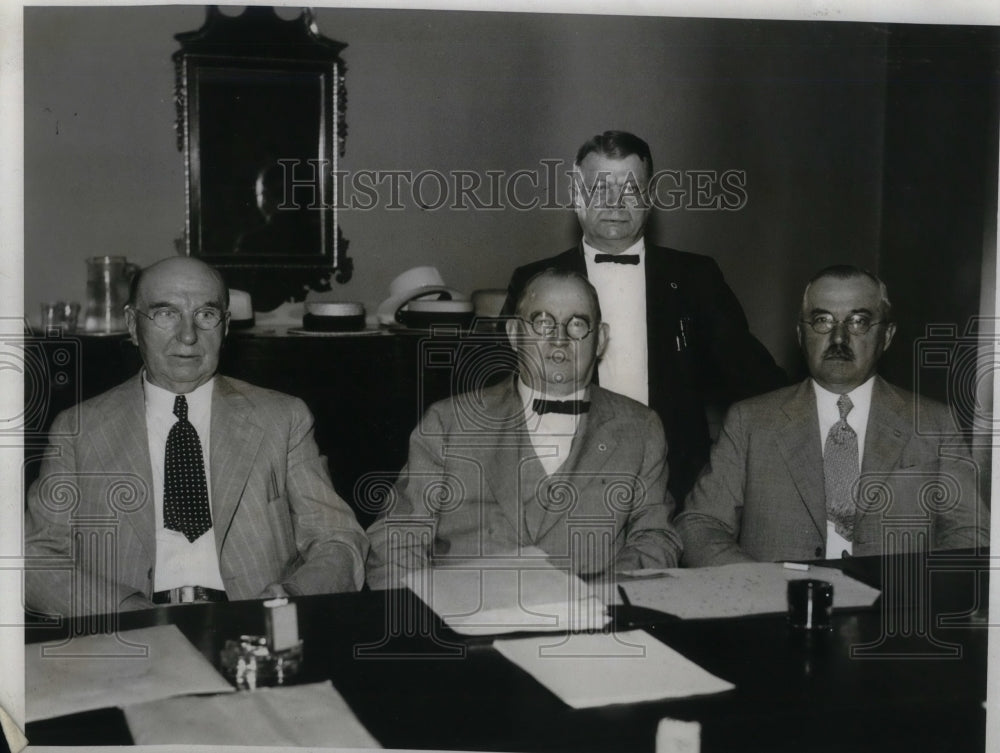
(638, 248)
(530, 394)
(158, 399)
(860, 396)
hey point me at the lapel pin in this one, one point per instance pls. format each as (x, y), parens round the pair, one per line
(602, 447)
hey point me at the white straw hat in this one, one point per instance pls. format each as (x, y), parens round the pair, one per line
(414, 283)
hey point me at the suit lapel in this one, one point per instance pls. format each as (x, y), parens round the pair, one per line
(887, 432)
(126, 430)
(801, 450)
(592, 446)
(663, 315)
(508, 452)
(236, 438)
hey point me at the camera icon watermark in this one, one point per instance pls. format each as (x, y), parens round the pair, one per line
(42, 366)
(463, 365)
(961, 366)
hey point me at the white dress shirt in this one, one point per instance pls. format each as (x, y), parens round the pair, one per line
(180, 562)
(621, 289)
(551, 433)
(857, 419)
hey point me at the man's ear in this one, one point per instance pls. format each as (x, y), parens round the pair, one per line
(130, 322)
(511, 326)
(225, 323)
(890, 332)
(575, 186)
(603, 334)
(798, 334)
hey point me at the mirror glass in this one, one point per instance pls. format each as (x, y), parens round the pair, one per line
(261, 124)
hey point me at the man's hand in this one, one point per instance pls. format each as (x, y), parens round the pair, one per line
(135, 601)
(274, 591)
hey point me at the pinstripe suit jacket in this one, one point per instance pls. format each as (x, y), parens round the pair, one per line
(474, 486)
(762, 496)
(276, 517)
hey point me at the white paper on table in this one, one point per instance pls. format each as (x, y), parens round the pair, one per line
(490, 596)
(97, 671)
(735, 590)
(313, 715)
(599, 669)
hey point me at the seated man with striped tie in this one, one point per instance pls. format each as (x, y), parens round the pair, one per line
(842, 464)
(544, 460)
(181, 484)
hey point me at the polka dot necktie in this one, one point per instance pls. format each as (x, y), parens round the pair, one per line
(185, 493)
(841, 471)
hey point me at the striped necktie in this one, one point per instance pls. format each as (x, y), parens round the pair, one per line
(841, 471)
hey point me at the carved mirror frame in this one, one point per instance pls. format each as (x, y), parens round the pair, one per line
(260, 102)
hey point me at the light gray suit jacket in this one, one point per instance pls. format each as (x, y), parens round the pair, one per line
(474, 485)
(276, 516)
(762, 495)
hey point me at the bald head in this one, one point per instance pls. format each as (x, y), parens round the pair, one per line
(183, 266)
(177, 316)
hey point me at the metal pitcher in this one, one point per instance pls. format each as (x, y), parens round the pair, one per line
(108, 279)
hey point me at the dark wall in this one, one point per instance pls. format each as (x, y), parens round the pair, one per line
(939, 201)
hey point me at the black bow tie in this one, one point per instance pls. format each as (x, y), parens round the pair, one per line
(617, 258)
(569, 407)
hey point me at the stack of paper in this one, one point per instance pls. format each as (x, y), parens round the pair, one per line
(735, 590)
(97, 671)
(302, 715)
(489, 596)
(599, 669)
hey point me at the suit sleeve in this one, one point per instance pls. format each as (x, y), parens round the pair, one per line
(710, 523)
(402, 534)
(55, 581)
(962, 522)
(650, 538)
(331, 543)
(741, 366)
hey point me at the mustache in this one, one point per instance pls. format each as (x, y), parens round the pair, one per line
(839, 351)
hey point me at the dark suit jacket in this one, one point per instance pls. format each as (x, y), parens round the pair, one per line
(762, 495)
(701, 351)
(474, 483)
(276, 517)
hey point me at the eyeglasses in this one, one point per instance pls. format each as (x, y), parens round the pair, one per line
(545, 325)
(857, 324)
(167, 318)
(603, 194)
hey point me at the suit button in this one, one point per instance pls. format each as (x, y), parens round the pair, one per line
(819, 551)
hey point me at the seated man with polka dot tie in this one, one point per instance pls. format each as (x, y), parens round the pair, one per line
(843, 463)
(212, 489)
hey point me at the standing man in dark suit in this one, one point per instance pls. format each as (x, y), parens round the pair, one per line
(212, 488)
(681, 340)
(828, 467)
(542, 460)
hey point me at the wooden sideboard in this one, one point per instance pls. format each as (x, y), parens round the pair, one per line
(367, 391)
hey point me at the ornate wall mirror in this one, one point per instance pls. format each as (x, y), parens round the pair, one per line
(260, 121)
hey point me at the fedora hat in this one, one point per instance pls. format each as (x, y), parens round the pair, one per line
(418, 282)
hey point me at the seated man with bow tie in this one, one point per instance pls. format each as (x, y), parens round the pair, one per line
(841, 464)
(183, 485)
(543, 460)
